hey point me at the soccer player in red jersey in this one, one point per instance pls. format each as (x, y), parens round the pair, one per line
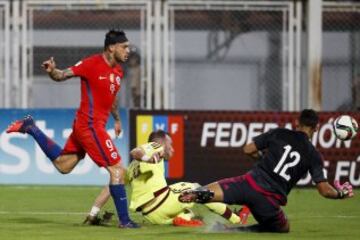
(100, 76)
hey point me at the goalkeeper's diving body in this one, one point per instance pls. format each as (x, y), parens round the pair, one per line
(288, 156)
(152, 196)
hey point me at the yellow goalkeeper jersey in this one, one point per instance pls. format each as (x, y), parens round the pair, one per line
(145, 178)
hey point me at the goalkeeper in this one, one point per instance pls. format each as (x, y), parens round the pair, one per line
(150, 194)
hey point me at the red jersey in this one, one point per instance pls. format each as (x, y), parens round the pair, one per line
(99, 86)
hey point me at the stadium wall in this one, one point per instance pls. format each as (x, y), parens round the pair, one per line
(207, 145)
(23, 162)
(212, 142)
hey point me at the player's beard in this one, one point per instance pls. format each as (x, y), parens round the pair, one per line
(120, 59)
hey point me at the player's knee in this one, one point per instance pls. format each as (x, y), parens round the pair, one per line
(117, 169)
(283, 228)
(286, 228)
(66, 163)
(63, 169)
(117, 173)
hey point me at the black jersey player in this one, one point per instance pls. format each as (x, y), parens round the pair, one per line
(288, 155)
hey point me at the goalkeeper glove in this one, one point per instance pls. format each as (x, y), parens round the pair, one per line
(344, 190)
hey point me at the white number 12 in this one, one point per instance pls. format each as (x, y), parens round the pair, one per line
(293, 155)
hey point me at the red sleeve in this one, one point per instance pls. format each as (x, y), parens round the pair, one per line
(80, 69)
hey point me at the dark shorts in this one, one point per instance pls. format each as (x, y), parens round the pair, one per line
(264, 206)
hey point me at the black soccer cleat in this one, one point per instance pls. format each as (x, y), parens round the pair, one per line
(92, 220)
(107, 216)
(97, 221)
(200, 195)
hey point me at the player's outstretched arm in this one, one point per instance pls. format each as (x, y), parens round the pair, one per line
(54, 73)
(140, 154)
(339, 192)
(137, 153)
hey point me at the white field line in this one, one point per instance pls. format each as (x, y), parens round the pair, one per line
(83, 213)
(310, 217)
(46, 187)
(41, 213)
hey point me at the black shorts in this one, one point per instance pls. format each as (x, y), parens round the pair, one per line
(264, 206)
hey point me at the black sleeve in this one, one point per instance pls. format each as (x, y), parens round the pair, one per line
(317, 168)
(262, 141)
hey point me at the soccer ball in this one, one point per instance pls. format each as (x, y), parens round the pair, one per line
(345, 127)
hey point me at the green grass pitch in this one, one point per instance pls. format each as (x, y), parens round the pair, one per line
(52, 212)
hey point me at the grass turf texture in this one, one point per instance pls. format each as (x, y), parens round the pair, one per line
(51, 212)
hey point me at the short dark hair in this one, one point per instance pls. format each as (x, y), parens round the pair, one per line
(158, 134)
(114, 36)
(309, 118)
